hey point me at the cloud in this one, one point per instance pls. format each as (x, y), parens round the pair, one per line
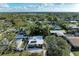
(39, 7)
(75, 7)
(4, 5)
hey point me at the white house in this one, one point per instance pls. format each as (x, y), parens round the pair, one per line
(58, 32)
(73, 27)
(35, 44)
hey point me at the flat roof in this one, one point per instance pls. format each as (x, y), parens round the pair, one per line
(38, 39)
(57, 31)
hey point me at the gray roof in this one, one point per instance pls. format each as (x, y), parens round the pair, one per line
(20, 36)
(57, 27)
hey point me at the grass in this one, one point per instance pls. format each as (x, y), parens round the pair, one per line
(76, 53)
(18, 53)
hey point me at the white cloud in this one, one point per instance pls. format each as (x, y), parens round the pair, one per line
(4, 5)
(75, 7)
(62, 7)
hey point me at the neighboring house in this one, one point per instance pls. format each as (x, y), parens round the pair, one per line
(2, 18)
(57, 27)
(73, 27)
(8, 23)
(58, 32)
(35, 44)
(2, 21)
(74, 42)
(20, 39)
(4, 44)
(1, 30)
(5, 41)
(73, 21)
(69, 19)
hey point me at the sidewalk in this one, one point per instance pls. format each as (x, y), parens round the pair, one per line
(44, 53)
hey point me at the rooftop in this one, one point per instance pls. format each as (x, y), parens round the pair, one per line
(73, 26)
(21, 34)
(56, 27)
(20, 37)
(36, 40)
(74, 41)
(58, 32)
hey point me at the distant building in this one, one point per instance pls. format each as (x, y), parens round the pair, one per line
(5, 41)
(58, 32)
(56, 27)
(4, 44)
(73, 27)
(73, 21)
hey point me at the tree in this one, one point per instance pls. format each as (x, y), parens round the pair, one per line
(9, 35)
(39, 29)
(57, 46)
(36, 29)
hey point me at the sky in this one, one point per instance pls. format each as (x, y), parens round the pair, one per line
(39, 7)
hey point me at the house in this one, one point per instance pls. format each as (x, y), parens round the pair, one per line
(8, 23)
(35, 44)
(74, 42)
(74, 21)
(4, 44)
(21, 40)
(57, 27)
(58, 32)
(73, 27)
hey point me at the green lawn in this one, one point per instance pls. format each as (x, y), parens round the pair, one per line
(76, 53)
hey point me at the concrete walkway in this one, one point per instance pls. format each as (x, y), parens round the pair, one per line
(44, 53)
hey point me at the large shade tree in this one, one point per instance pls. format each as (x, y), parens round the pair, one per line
(57, 46)
(39, 29)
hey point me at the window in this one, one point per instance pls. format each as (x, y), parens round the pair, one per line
(33, 41)
(39, 46)
(30, 46)
(35, 46)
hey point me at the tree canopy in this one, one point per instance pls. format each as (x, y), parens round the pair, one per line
(57, 46)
